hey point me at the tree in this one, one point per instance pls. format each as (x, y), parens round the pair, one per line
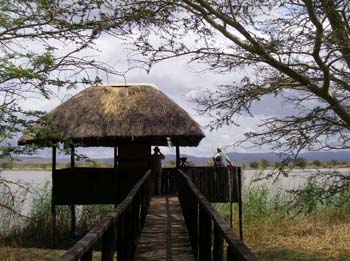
(297, 51)
(41, 45)
(301, 162)
(317, 163)
(254, 164)
(265, 163)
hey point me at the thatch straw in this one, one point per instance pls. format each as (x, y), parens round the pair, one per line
(101, 115)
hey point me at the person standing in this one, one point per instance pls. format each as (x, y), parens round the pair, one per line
(156, 167)
(221, 159)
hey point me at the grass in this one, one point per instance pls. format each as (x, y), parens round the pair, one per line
(274, 231)
(36, 232)
(314, 231)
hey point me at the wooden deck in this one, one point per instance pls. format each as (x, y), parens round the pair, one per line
(164, 236)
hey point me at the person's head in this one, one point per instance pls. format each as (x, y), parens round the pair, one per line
(156, 149)
(219, 149)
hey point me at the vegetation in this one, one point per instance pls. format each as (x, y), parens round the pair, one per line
(312, 230)
(35, 231)
(276, 225)
(299, 163)
(297, 54)
(7, 164)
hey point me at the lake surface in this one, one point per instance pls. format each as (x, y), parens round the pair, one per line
(24, 185)
(36, 180)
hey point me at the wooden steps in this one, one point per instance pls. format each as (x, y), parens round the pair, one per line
(164, 236)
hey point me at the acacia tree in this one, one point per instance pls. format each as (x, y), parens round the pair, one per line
(296, 50)
(40, 42)
(41, 46)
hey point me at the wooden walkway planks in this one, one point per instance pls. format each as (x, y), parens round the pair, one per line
(164, 236)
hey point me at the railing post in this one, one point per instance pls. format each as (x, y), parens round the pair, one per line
(87, 256)
(121, 248)
(231, 256)
(129, 224)
(204, 237)
(108, 244)
(218, 250)
(193, 224)
(135, 219)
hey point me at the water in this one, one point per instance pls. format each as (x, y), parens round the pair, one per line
(35, 181)
(23, 185)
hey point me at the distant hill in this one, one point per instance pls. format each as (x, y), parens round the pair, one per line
(235, 156)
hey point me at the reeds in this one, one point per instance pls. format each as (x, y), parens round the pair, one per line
(316, 229)
(36, 229)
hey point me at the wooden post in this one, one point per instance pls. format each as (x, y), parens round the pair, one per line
(53, 206)
(108, 244)
(177, 156)
(240, 210)
(218, 250)
(87, 256)
(204, 236)
(115, 166)
(122, 235)
(72, 207)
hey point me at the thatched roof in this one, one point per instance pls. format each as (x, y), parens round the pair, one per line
(114, 114)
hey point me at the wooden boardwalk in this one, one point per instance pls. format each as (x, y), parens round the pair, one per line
(164, 236)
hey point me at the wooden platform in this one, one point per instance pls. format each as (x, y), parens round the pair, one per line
(164, 236)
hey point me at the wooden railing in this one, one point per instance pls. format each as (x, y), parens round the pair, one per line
(119, 230)
(201, 220)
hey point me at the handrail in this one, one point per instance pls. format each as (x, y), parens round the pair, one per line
(124, 223)
(200, 216)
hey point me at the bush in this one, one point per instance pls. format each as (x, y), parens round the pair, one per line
(254, 164)
(265, 163)
(36, 231)
(300, 162)
(317, 163)
(7, 164)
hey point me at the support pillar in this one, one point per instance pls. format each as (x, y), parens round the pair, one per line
(177, 156)
(72, 207)
(53, 206)
(115, 156)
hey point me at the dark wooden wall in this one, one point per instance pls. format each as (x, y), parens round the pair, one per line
(81, 186)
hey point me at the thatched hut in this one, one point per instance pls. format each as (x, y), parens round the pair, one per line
(129, 117)
(115, 114)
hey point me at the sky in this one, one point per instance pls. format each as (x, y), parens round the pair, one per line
(179, 80)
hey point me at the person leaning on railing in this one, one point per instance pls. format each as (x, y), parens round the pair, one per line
(221, 159)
